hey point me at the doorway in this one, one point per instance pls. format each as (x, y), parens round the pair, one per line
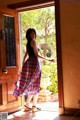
(28, 5)
(43, 21)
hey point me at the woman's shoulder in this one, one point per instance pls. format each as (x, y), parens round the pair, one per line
(33, 42)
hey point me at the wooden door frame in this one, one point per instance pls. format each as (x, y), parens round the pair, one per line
(32, 4)
(59, 57)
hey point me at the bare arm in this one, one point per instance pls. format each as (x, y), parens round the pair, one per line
(25, 57)
(34, 45)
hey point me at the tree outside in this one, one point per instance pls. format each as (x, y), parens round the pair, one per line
(43, 21)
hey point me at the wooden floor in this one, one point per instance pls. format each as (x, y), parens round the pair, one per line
(41, 115)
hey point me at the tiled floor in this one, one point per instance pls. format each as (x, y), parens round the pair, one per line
(41, 115)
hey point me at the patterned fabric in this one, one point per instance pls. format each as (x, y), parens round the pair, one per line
(29, 81)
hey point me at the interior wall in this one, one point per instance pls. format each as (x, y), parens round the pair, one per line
(70, 41)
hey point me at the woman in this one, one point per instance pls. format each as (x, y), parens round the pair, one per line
(29, 82)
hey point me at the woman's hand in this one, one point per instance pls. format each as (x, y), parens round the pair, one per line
(52, 60)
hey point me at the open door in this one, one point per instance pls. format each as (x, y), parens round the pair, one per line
(9, 59)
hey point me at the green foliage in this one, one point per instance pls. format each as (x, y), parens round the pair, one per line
(43, 20)
(50, 70)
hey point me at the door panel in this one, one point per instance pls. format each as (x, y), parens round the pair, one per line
(9, 59)
(10, 88)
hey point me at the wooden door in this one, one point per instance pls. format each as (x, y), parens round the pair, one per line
(9, 59)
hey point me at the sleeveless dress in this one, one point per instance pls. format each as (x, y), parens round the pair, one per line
(30, 76)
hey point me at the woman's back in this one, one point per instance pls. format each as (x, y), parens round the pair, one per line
(30, 49)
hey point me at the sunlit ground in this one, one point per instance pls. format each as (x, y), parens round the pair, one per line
(49, 106)
(49, 111)
(42, 115)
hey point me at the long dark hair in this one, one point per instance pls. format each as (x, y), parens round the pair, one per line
(28, 32)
